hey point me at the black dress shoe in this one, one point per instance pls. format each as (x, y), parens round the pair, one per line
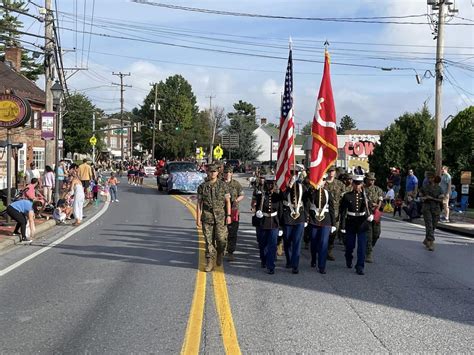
(262, 264)
(349, 265)
(322, 271)
(313, 264)
(288, 266)
(271, 272)
(295, 271)
(360, 272)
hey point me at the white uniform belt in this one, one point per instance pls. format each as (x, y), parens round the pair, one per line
(270, 214)
(286, 203)
(356, 214)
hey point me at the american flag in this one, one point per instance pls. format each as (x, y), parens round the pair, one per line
(287, 126)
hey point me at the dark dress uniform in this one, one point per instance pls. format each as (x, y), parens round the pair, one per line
(292, 201)
(353, 213)
(321, 217)
(268, 226)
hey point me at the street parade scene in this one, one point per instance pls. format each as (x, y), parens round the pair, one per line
(227, 178)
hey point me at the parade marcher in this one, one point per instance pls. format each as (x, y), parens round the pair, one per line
(293, 219)
(258, 190)
(268, 206)
(374, 196)
(354, 223)
(321, 219)
(236, 195)
(432, 197)
(336, 188)
(213, 214)
(347, 180)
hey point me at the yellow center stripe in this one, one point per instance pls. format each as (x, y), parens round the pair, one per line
(221, 296)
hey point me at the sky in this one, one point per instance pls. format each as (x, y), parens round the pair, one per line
(373, 97)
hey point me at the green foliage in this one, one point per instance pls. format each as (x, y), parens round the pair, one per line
(458, 143)
(77, 125)
(179, 113)
(347, 123)
(9, 36)
(406, 143)
(306, 131)
(243, 122)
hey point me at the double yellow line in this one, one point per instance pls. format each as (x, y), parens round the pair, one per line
(192, 340)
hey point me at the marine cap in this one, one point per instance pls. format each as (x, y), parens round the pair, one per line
(357, 178)
(371, 176)
(212, 167)
(296, 167)
(332, 168)
(270, 178)
(228, 169)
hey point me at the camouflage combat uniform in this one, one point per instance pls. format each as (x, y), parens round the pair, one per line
(374, 196)
(213, 197)
(235, 190)
(431, 209)
(336, 188)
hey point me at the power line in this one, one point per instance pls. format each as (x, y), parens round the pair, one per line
(369, 20)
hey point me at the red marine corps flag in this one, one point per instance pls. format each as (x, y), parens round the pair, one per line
(323, 130)
(286, 155)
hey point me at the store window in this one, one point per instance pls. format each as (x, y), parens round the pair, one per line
(38, 158)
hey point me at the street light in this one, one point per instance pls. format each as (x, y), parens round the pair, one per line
(57, 92)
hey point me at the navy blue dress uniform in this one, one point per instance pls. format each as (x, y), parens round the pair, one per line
(267, 218)
(321, 219)
(355, 223)
(293, 219)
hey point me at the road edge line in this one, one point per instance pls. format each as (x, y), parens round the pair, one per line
(56, 242)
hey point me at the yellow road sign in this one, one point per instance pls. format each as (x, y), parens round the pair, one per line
(218, 152)
(93, 140)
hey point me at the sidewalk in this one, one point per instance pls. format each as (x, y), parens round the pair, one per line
(7, 240)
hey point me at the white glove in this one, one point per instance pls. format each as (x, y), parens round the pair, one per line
(305, 224)
(343, 231)
(292, 180)
(370, 218)
(259, 214)
(280, 233)
(333, 229)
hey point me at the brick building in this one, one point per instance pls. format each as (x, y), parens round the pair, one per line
(11, 81)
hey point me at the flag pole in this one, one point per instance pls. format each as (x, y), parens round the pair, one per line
(295, 173)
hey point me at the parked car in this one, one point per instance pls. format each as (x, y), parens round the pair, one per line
(236, 165)
(180, 176)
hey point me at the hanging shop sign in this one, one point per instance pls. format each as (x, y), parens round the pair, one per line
(47, 126)
(14, 111)
(359, 148)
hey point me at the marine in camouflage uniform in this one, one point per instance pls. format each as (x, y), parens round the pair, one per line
(236, 195)
(213, 213)
(431, 196)
(336, 188)
(374, 198)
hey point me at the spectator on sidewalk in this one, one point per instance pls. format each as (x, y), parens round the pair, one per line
(396, 180)
(411, 209)
(48, 184)
(77, 190)
(23, 212)
(411, 184)
(445, 186)
(33, 172)
(62, 212)
(397, 206)
(84, 173)
(61, 175)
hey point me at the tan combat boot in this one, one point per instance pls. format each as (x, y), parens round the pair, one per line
(425, 242)
(209, 265)
(280, 249)
(430, 245)
(219, 258)
(330, 255)
(230, 257)
(369, 258)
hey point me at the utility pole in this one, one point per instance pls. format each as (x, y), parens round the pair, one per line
(155, 108)
(214, 124)
(93, 134)
(444, 9)
(49, 75)
(122, 89)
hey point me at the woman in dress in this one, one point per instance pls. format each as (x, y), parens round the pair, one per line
(78, 191)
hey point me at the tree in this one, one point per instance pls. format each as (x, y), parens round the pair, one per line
(347, 123)
(9, 27)
(306, 131)
(77, 125)
(178, 113)
(458, 143)
(243, 122)
(406, 143)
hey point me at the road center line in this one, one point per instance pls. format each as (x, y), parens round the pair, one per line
(56, 242)
(221, 296)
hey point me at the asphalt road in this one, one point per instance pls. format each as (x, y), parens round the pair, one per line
(125, 284)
